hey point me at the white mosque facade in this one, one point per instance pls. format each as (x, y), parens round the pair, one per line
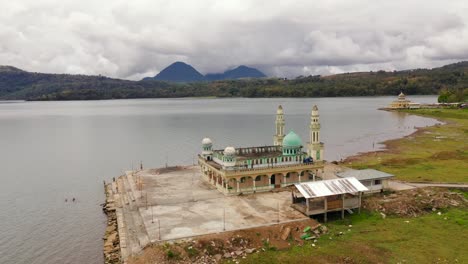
(255, 169)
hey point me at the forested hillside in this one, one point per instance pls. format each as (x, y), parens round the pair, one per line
(18, 84)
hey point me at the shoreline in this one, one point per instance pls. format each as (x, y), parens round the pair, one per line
(207, 97)
(391, 145)
(435, 153)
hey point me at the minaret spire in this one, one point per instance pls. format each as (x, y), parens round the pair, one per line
(279, 124)
(315, 148)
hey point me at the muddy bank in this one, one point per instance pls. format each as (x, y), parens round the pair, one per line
(392, 145)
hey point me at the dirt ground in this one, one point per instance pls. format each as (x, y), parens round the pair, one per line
(414, 202)
(231, 245)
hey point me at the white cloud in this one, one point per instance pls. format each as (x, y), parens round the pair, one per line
(133, 39)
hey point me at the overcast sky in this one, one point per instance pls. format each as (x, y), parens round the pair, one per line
(138, 38)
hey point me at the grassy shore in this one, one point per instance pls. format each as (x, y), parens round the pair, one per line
(368, 238)
(432, 154)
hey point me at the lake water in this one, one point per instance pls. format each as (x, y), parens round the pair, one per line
(50, 151)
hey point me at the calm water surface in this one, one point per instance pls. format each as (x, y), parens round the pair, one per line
(50, 151)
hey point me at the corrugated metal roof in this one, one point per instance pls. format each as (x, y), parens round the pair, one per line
(330, 187)
(367, 174)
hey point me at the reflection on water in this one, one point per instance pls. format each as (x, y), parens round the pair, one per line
(51, 151)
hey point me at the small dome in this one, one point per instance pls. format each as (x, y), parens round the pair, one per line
(229, 151)
(292, 140)
(401, 94)
(315, 108)
(206, 141)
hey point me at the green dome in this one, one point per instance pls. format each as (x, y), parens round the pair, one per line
(292, 140)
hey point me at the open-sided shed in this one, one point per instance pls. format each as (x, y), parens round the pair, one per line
(321, 197)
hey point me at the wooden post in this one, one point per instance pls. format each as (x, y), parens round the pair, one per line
(278, 212)
(342, 206)
(359, 209)
(159, 229)
(326, 209)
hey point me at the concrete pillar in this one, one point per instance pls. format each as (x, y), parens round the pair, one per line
(238, 190)
(253, 179)
(300, 177)
(285, 179)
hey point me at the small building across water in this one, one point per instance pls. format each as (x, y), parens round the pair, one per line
(403, 103)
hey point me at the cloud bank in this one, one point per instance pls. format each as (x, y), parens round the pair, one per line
(138, 38)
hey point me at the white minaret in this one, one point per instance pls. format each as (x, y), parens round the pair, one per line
(315, 147)
(279, 124)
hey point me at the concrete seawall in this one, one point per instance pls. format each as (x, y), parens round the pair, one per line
(112, 245)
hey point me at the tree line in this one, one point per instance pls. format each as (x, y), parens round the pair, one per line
(448, 80)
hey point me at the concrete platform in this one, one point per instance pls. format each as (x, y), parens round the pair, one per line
(174, 203)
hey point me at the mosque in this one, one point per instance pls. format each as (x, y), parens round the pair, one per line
(257, 169)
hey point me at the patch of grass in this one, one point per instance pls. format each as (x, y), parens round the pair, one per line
(438, 153)
(191, 251)
(267, 246)
(372, 239)
(172, 254)
(464, 193)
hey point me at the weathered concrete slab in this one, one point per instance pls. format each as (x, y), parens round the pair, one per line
(177, 204)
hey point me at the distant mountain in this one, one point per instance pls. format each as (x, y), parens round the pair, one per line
(179, 72)
(10, 69)
(182, 72)
(237, 73)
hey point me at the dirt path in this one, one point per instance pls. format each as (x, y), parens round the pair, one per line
(444, 185)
